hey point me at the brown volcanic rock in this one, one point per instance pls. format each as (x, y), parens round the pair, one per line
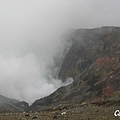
(84, 112)
(94, 62)
(88, 46)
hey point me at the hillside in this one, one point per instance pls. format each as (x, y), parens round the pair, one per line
(11, 105)
(94, 63)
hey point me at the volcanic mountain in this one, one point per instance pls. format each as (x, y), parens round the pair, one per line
(93, 61)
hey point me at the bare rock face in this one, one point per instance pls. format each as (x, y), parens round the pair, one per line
(88, 46)
(94, 62)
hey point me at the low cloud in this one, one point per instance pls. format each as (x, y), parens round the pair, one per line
(27, 78)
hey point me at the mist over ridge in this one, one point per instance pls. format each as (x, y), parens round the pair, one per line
(31, 41)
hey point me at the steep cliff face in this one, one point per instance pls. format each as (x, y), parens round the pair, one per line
(94, 62)
(88, 46)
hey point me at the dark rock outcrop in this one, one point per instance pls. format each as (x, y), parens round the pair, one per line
(12, 105)
(94, 62)
(23, 105)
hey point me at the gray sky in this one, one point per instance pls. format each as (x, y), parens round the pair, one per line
(30, 32)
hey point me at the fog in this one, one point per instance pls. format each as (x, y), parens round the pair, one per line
(31, 37)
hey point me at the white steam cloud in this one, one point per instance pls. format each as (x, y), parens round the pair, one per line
(26, 78)
(31, 45)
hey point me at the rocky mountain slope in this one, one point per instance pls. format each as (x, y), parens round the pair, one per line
(94, 62)
(12, 105)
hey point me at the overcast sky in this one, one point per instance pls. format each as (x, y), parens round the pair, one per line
(30, 37)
